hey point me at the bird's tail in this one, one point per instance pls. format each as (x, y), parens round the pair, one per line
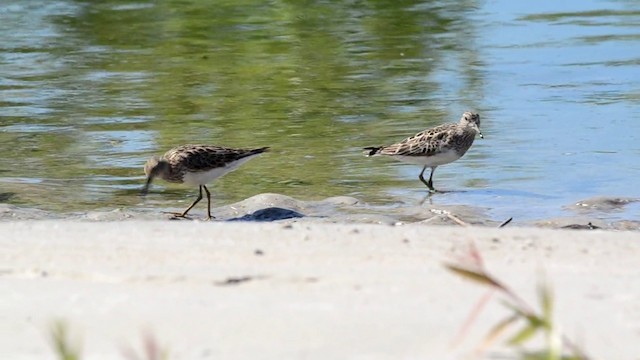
(260, 150)
(372, 150)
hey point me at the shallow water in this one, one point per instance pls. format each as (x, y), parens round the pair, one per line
(90, 90)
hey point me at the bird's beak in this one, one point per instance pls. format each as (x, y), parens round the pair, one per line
(145, 189)
(478, 130)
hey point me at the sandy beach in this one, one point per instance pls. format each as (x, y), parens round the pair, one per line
(302, 290)
(332, 245)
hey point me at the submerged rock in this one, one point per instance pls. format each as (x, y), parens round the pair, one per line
(603, 203)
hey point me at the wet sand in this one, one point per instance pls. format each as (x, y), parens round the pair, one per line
(586, 214)
(314, 280)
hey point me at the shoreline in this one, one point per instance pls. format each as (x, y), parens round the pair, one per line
(589, 214)
(246, 290)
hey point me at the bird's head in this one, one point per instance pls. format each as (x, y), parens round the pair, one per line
(155, 167)
(472, 120)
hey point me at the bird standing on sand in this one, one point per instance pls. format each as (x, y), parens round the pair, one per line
(434, 147)
(196, 165)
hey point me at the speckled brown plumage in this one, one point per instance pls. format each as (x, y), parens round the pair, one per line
(434, 147)
(196, 165)
(197, 158)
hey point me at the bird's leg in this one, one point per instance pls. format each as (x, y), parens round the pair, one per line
(184, 213)
(209, 217)
(422, 177)
(430, 182)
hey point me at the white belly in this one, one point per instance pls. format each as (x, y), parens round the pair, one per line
(434, 160)
(205, 177)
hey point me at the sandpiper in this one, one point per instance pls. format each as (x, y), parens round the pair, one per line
(434, 147)
(196, 165)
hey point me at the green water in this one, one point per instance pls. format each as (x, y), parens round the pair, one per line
(90, 89)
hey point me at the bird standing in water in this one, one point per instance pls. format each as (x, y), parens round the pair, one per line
(196, 165)
(434, 147)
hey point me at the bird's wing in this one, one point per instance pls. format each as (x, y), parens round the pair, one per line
(425, 143)
(205, 157)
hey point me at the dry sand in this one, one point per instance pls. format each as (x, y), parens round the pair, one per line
(302, 290)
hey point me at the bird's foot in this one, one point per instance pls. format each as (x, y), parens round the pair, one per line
(430, 186)
(177, 216)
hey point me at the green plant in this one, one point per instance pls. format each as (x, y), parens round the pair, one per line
(532, 322)
(61, 343)
(67, 351)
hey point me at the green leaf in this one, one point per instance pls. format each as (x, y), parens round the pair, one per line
(473, 275)
(520, 312)
(532, 319)
(498, 329)
(546, 300)
(64, 349)
(523, 335)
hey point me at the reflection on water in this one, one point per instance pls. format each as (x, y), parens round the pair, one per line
(90, 90)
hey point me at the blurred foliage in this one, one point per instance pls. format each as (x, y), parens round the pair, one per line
(530, 321)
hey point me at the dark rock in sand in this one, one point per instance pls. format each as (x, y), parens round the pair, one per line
(269, 214)
(588, 226)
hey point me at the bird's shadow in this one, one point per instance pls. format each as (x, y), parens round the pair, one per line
(176, 217)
